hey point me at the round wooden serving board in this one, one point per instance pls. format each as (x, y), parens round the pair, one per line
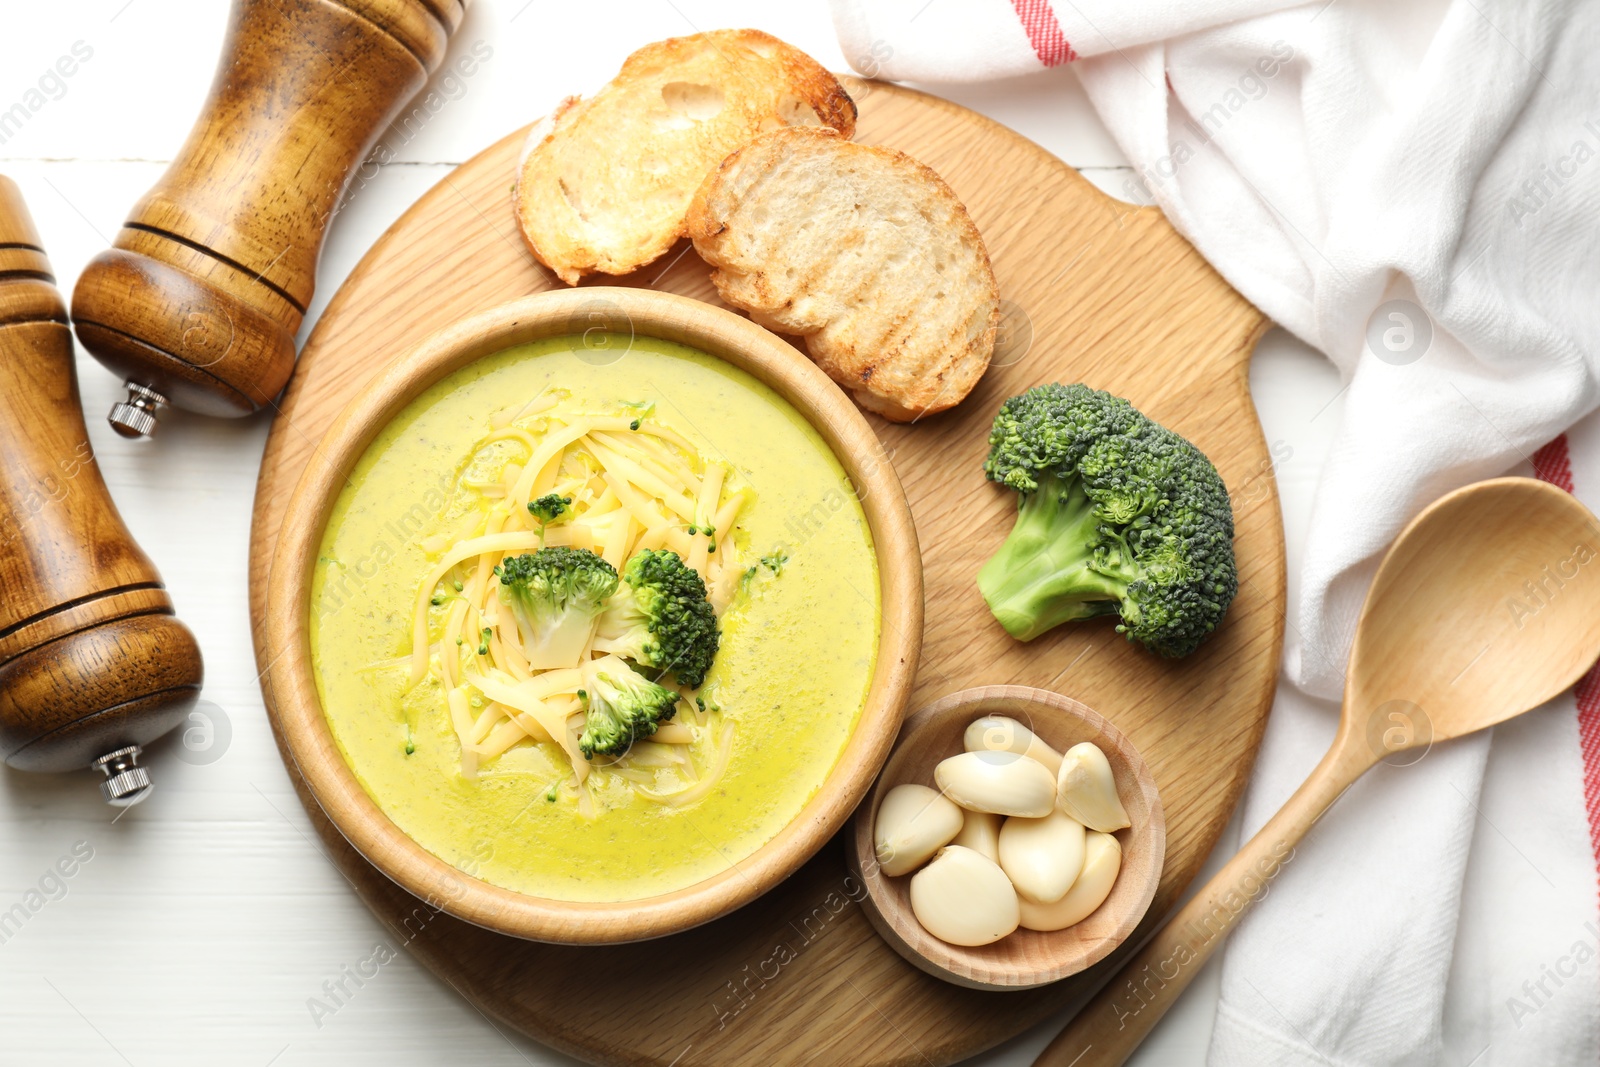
(1098, 292)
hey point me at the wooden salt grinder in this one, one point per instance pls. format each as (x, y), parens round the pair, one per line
(198, 300)
(92, 662)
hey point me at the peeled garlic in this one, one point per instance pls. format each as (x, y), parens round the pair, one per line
(1042, 857)
(1102, 860)
(1089, 791)
(980, 831)
(913, 823)
(997, 733)
(963, 898)
(1002, 782)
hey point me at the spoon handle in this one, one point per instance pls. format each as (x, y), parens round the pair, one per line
(1112, 1025)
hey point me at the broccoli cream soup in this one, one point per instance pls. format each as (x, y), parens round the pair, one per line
(595, 621)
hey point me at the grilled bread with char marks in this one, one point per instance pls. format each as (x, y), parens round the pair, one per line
(864, 252)
(606, 180)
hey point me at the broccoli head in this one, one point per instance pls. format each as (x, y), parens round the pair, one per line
(555, 595)
(661, 618)
(547, 509)
(620, 707)
(550, 507)
(1118, 515)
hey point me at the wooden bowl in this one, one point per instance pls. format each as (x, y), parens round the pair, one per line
(1026, 958)
(575, 311)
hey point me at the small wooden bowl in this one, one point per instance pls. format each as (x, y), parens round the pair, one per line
(647, 313)
(1026, 958)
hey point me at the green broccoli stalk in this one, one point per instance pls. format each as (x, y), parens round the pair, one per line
(1118, 515)
(555, 595)
(547, 509)
(620, 706)
(661, 618)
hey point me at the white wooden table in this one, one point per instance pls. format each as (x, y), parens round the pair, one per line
(208, 920)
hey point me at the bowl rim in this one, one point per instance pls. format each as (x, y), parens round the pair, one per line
(967, 966)
(710, 329)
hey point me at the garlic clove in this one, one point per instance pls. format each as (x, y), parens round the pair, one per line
(913, 823)
(1101, 861)
(1000, 782)
(963, 898)
(1042, 857)
(980, 831)
(1088, 789)
(999, 733)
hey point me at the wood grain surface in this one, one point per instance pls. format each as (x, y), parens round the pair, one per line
(1096, 291)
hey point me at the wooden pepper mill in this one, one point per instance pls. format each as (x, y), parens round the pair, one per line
(92, 662)
(198, 301)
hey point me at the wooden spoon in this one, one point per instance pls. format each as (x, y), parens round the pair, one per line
(1487, 606)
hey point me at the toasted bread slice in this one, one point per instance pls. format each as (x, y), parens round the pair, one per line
(606, 180)
(863, 251)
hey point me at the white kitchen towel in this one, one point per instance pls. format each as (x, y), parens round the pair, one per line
(1414, 189)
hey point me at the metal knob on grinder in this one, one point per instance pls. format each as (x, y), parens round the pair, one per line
(93, 664)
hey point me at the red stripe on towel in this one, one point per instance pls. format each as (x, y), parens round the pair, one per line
(1044, 32)
(1553, 463)
(1588, 696)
